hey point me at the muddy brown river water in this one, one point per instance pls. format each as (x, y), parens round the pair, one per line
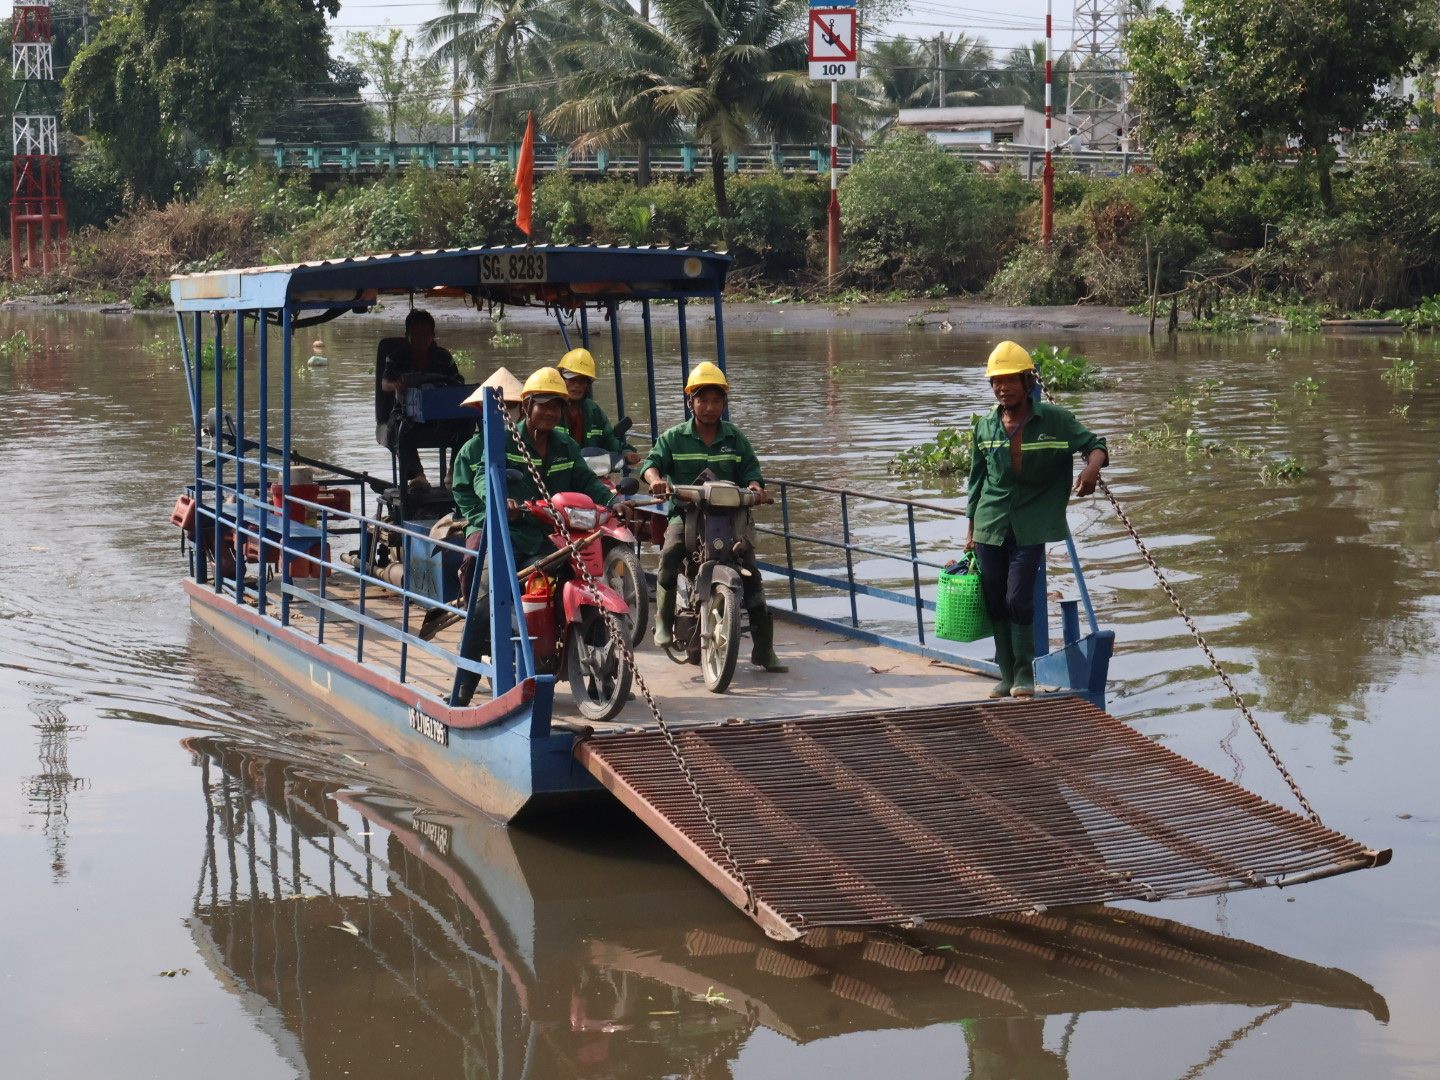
(205, 877)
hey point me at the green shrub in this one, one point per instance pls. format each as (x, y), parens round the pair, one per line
(1035, 275)
(916, 216)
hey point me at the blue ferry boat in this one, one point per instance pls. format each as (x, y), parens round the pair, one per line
(324, 574)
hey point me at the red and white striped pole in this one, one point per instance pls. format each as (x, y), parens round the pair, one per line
(1047, 181)
(832, 260)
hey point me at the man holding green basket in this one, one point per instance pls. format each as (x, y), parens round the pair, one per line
(1019, 487)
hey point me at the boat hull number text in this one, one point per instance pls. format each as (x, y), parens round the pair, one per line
(507, 267)
(429, 727)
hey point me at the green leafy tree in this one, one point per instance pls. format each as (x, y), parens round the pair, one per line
(406, 84)
(162, 75)
(727, 71)
(1219, 82)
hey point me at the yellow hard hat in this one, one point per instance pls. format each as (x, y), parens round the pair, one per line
(1007, 358)
(706, 374)
(545, 381)
(578, 362)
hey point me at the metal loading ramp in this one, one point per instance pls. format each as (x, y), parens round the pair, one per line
(912, 815)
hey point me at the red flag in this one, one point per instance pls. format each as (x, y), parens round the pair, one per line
(525, 179)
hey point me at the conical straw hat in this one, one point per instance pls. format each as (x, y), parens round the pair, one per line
(502, 380)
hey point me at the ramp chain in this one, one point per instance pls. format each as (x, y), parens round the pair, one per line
(1196, 634)
(622, 641)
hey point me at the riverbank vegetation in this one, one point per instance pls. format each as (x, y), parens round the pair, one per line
(1250, 206)
(1252, 244)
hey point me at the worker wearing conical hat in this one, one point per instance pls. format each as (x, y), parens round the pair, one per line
(1022, 462)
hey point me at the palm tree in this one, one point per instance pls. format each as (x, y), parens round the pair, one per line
(902, 73)
(727, 70)
(1023, 81)
(506, 50)
(934, 72)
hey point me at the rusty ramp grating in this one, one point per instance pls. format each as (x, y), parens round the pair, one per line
(906, 816)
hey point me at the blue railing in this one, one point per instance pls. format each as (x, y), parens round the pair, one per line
(918, 598)
(685, 159)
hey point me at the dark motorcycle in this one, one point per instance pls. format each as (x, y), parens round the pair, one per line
(711, 594)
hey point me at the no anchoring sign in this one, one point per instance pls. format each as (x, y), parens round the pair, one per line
(832, 43)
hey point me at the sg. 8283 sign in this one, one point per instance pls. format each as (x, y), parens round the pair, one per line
(513, 266)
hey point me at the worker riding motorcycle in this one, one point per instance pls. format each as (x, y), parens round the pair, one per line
(709, 444)
(605, 449)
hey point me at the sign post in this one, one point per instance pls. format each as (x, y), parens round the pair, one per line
(834, 37)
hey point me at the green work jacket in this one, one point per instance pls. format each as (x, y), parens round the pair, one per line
(681, 456)
(598, 429)
(562, 469)
(1031, 503)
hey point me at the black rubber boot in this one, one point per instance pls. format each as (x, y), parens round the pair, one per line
(762, 640)
(1005, 658)
(664, 616)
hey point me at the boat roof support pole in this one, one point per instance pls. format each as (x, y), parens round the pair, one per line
(564, 333)
(684, 355)
(217, 351)
(650, 371)
(286, 446)
(500, 556)
(192, 392)
(262, 346)
(584, 327)
(720, 345)
(614, 314)
(240, 452)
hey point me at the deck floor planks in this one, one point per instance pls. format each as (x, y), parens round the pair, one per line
(828, 673)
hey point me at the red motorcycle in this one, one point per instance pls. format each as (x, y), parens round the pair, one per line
(563, 613)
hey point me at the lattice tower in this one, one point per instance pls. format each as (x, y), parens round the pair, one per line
(38, 237)
(1099, 86)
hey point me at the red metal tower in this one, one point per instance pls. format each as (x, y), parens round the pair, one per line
(37, 208)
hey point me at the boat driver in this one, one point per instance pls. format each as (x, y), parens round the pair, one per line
(420, 362)
(585, 420)
(706, 441)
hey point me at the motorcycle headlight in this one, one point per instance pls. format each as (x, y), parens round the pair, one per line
(582, 519)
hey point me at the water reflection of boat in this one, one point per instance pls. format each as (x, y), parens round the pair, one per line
(369, 936)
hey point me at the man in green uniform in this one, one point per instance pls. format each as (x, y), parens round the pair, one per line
(707, 442)
(556, 456)
(557, 459)
(584, 419)
(1022, 454)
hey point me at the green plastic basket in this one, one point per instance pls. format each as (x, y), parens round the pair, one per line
(960, 608)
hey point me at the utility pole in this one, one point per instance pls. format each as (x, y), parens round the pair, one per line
(1047, 178)
(1099, 104)
(38, 236)
(454, 93)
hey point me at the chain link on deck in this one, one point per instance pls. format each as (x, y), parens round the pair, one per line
(1197, 635)
(622, 641)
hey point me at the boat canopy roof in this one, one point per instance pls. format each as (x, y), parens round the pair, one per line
(563, 276)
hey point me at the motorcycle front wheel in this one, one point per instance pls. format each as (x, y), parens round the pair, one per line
(717, 660)
(599, 678)
(624, 575)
